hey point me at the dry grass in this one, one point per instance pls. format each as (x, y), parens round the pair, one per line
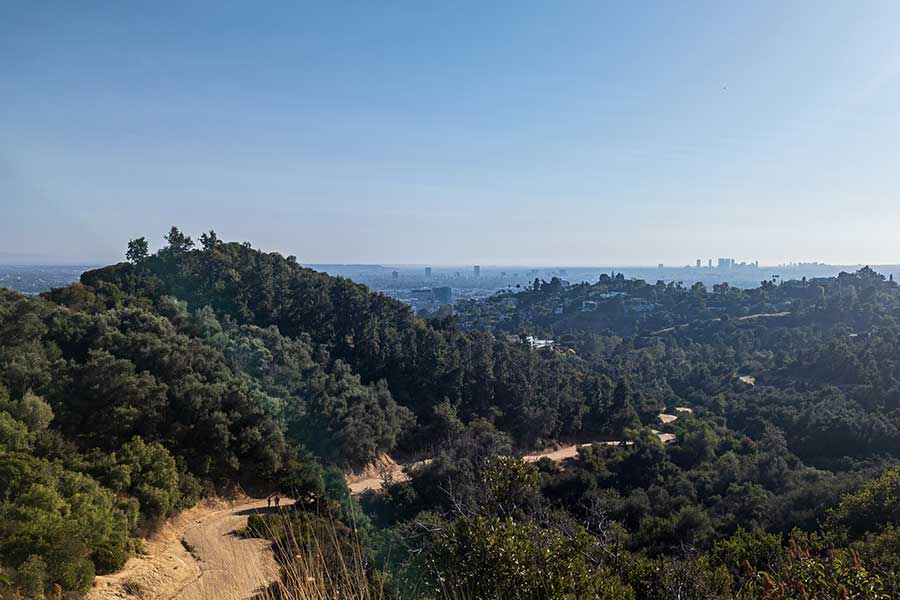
(319, 566)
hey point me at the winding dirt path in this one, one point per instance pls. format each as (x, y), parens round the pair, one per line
(373, 476)
(744, 318)
(567, 452)
(196, 556)
(373, 479)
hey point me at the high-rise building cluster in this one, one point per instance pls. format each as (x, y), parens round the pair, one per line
(724, 264)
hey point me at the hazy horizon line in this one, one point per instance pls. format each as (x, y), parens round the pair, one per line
(25, 260)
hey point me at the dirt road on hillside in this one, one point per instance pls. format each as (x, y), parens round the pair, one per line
(744, 318)
(196, 556)
(567, 452)
(374, 478)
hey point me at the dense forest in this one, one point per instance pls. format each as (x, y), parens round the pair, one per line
(151, 383)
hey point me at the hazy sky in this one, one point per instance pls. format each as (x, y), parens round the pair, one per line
(455, 132)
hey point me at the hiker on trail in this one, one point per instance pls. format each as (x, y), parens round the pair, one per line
(269, 500)
(277, 501)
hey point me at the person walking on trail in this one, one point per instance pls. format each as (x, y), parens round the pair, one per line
(269, 501)
(277, 501)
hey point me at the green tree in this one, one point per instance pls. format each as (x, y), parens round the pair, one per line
(153, 477)
(179, 243)
(31, 576)
(756, 549)
(873, 507)
(33, 411)
(209, 240)
(475, 557)
(14, 434)
(138, 251)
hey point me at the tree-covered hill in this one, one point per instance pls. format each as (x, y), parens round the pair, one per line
(153, 380)
(535, 396)
(130, 394)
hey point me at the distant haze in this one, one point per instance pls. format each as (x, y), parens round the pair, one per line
(512, 133)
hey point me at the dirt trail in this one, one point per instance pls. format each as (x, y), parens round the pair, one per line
(568, 452)
(372, 477)
(783, 313)
(195, 556)
(359, 484)
(744, 318)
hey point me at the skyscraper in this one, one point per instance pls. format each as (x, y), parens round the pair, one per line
(443, 295)
(477, 270)
(427, 272)
(709, 263)
(698, 263)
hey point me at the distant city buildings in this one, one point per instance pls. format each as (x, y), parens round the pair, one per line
(428, 272)
(442, 295)
(477, 270)
(412, 285)
(722, 264)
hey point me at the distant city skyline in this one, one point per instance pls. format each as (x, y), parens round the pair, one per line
(12, 258)
(464, 133)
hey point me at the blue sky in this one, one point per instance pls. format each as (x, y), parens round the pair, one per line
(451, 133)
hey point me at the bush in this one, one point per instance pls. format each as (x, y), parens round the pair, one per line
(871, 508)
(153, 477)
(754, 549)
(493, 558)
(61, 517)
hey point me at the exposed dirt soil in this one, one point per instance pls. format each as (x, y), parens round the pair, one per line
(196, 556)
(665, 438)
(374, 475)
(375, 469)
(568, 452)
(394, 470)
